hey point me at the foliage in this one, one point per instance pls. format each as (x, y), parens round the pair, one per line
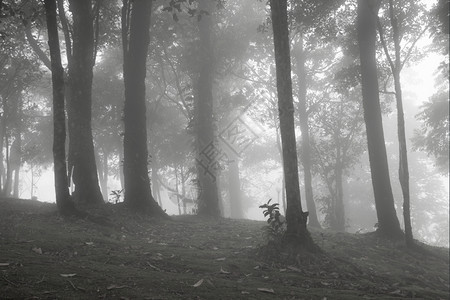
(276, 221)
(433, 136)
(116, 196)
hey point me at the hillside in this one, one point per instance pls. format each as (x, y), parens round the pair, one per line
(43, 256)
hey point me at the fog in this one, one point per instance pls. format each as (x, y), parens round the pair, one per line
(239, 150)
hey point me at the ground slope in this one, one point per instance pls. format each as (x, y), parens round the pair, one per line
(127, 256)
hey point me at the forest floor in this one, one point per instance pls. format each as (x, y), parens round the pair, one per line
(43, 256)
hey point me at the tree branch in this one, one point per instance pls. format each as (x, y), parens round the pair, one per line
(35, 45)
(65, 28)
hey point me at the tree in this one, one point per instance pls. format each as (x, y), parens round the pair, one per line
(303, 120)
(80, 74)
(296, 231)
(63, 200)
(208, 202)
(338, 126)
(396, 63)
(388, 224)
(135, 38)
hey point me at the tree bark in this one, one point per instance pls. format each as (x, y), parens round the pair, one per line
(208, 202)
(304, 128)
(296, 219)
(235, 189)
(136, 38)
(388, 224)
(403, 170)
(63, 200)
(85, 177)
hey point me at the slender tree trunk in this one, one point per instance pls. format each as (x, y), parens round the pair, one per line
(304, 128)
(63, 200)
(15, 162)
(183, 190)
(235, 189)
(8, 180)
(2, 138)
(208, 202)
(105, 171)
(283, 190)
(121, 179)
(339, 207)
(85, 177)
(155, 184)
(177, 190)
(296, 219)
(136, 38)
(403, 172)
(388, 224)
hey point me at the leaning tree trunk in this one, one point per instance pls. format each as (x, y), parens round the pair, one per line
(85, 177)
(136, 38)
(304, 128)
(63, 200)
(208, 202)
(296, 219)
(388, 224)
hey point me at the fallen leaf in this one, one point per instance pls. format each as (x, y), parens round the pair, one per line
(198, 283)
(115, 286)
(153, 267)
(265, 290)
(294, 269)
(396, 292)
(68, 275)
(37, 250)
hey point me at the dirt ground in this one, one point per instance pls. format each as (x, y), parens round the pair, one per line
(129, 256)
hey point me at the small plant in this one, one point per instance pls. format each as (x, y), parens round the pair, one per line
(116, 196)
(276, 221)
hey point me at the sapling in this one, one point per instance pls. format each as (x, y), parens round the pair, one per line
(276, 221)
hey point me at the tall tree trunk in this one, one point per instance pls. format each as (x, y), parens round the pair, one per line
(177, 190)
(235, 189)
(304, 128)
(388, 224)
(403, 172)
(103, 172)
(8, 179)
(280, 151)
(15, 161)
(136, 38)
(85, 177)
(2, 138)
(63, 200)
(296, 219)
(121, 179)
(339, 205)
(208, 202)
